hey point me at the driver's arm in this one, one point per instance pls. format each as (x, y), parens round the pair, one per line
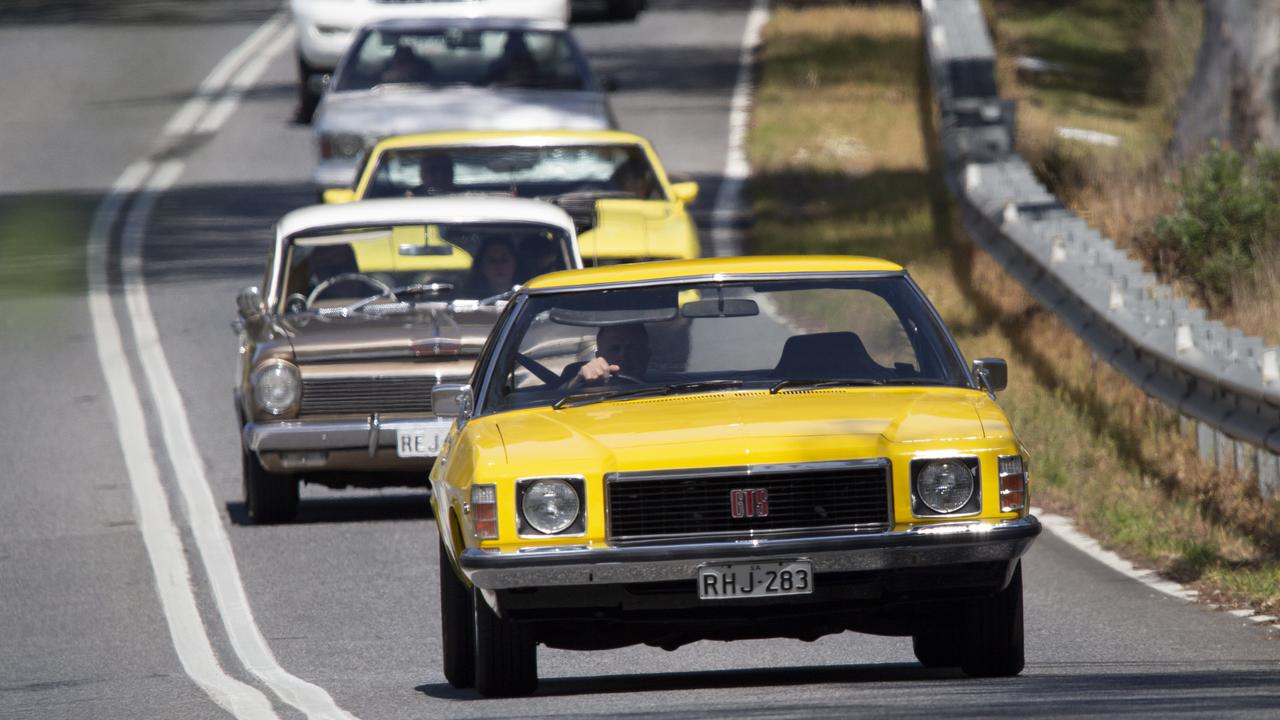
(595, 371)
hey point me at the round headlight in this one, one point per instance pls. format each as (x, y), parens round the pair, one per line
(945, 486)
(550, 505)
(277, 387)
(346, 145)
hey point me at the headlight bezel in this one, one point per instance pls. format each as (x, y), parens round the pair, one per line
(276, 366)
(972, 505)
(576, 528)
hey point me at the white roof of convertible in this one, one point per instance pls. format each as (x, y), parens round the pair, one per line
(405, 211)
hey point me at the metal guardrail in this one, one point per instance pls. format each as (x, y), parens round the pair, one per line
(1224, 381)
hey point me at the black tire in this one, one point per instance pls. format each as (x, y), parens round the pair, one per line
(994, 646)
(268, 497)
(308, 101)
(506, 655)
(937, 649)
(457, 626)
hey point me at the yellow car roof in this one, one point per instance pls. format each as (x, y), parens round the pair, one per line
(678, 269)
(483, 136)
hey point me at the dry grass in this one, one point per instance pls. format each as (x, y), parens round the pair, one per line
(1102, 452)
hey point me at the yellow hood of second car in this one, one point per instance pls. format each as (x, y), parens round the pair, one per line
(740, 428)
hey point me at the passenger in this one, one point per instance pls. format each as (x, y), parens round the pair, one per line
(493, 270)
(517, 66)
(406, 67)
(633, 178)
(435, 174)
(620, 350)
(538, 255)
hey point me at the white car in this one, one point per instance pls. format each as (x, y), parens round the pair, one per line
(325, 29)
(402, 77)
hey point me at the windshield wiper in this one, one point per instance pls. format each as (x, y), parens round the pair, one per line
(848, 382)
(672, 389)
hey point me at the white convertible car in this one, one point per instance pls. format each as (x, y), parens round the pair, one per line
(325, 29)
(402, 77)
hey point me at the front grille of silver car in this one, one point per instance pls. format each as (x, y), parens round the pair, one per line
(365, 395)
(848, 496)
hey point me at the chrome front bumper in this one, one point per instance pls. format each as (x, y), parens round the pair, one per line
(301, 435)
(919, 546)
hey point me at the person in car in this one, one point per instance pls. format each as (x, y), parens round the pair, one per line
(406, 67)
(620, 350)
(493, 270)
(436, 176)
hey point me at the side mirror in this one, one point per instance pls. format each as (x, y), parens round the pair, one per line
(610, 84)
(338, 196)
(452, 401)
(993, 372)
(685, 192)
(249, 304)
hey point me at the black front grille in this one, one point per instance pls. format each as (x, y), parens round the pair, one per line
(364, 395)
(643, 506)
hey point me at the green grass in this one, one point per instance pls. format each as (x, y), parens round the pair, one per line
(841, 151)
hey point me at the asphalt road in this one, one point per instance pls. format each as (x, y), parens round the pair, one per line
(345, 598)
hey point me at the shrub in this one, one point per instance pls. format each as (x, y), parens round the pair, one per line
(1226, 211)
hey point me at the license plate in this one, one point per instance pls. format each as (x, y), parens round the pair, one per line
(421, 440)
(770, 579)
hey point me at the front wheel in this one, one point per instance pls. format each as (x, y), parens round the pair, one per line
(937, 649)
(506, 654)
(994, 646)
(457, 625)
(268, 497)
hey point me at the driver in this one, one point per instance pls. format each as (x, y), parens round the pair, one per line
(620, 350)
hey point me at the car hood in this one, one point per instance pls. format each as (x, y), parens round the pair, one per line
(741, 428)
(420, 335)
(383, 113)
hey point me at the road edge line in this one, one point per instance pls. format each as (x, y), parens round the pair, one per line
(728, 204)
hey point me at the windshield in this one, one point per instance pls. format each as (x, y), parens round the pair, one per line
(545, 171)
(444, 261)
(455, 56)
(584, 347)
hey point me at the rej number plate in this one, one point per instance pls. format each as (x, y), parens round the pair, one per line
(723, 582)
(421, 440)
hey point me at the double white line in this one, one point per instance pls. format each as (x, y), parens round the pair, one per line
(143, 181)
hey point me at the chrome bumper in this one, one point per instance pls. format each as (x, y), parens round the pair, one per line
(297, 435)
(919, 546)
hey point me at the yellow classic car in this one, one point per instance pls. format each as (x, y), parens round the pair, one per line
(623, 204)
(813, 455)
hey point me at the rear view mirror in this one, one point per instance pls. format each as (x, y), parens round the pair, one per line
(993, 372)
(719, 308)
(450, 400)
(685, 192)
(249, 304)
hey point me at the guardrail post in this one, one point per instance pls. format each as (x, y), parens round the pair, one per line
(1205, 442)
(1268, 473)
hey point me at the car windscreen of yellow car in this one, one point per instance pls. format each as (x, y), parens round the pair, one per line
(572, 348)
(375, 266)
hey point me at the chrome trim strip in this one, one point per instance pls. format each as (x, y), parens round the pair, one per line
(917, 546)
(717, 278)
(761, 469)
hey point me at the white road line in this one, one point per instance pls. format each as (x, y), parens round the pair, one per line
(1065, 529)
(728, 206)
(155, 522)
(161, 535)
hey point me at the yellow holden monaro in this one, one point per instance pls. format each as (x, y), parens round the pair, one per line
(625, 207)
(668, 452)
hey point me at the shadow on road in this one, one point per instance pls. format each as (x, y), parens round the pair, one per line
(1092, 694)
(337, 509)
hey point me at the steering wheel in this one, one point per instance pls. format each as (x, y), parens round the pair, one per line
(383, 289)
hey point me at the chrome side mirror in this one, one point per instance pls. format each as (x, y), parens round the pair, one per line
(249, 304)
(450, 400)
(992, 372)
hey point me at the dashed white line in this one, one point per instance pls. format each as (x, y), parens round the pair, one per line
(728, 205)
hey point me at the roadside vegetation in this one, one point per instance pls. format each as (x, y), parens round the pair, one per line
(843, 156)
